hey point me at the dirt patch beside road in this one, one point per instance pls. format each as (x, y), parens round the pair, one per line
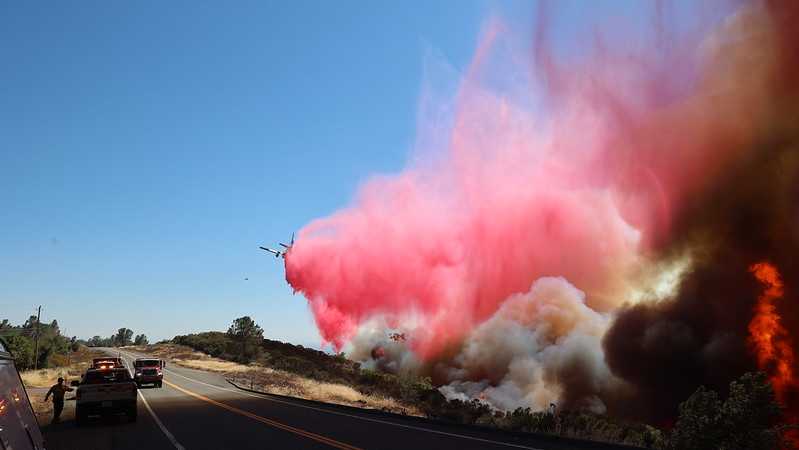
(42, 409)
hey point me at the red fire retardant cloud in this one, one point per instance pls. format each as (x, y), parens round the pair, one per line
(544, 168)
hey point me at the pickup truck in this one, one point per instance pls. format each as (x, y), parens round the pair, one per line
(104, 392)
(148, 371)
(107, 363)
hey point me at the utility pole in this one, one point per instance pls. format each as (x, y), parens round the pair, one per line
(36, 340)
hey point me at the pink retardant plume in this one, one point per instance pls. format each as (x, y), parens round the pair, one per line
(575, 169)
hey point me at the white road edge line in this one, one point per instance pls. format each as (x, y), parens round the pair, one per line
(158, 422)
(410, 427)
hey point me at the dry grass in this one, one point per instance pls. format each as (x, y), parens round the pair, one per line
(285, 383)
(44, 378)
(42, 409)
(213, 366)
(189, 358)
(278, 382)
(169, 351)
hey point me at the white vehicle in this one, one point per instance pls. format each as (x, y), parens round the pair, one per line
(104, 392)
(19, 429)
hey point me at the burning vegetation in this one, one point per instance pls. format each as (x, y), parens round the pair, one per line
(769, 338)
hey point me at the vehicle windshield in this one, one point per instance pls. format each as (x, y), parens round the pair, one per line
(106, 376)
(147, 363)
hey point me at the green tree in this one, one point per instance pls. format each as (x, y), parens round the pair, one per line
(52, 348)
(748, 419)
(45, 353)
(22, 349)
(74, 345)
(141, 339)
(248, 335)
(30, 323)
(123, 337)
(54, 328)
(751, 414)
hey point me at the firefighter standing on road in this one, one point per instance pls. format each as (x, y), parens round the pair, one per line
(58, 391)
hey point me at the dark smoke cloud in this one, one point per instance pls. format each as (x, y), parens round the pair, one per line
(665, 350)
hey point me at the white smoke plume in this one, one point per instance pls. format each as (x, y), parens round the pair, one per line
(540, 347)
(373, 347)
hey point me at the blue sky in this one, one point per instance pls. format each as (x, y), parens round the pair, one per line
(148, 148)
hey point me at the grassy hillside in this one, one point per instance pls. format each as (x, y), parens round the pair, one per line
(289, 369)
(317, 365)
(266, 378)
(750, 414)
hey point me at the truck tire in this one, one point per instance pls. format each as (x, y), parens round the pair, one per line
(80, 417)
(132, 414)
(160, 383)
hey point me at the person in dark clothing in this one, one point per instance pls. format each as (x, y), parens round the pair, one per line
(58, 391)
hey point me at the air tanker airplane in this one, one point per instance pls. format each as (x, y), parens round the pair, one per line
(279, 253)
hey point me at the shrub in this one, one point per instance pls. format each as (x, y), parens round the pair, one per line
(748, 419)
(212, 343)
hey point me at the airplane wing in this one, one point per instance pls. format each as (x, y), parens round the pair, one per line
(277, 253)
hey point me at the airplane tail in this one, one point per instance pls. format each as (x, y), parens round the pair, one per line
(288, 246)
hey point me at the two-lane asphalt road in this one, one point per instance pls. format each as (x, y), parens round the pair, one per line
(200, 410)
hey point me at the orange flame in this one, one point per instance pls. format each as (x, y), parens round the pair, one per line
(767, 335)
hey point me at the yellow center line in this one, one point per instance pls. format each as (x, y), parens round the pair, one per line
(270, 422)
